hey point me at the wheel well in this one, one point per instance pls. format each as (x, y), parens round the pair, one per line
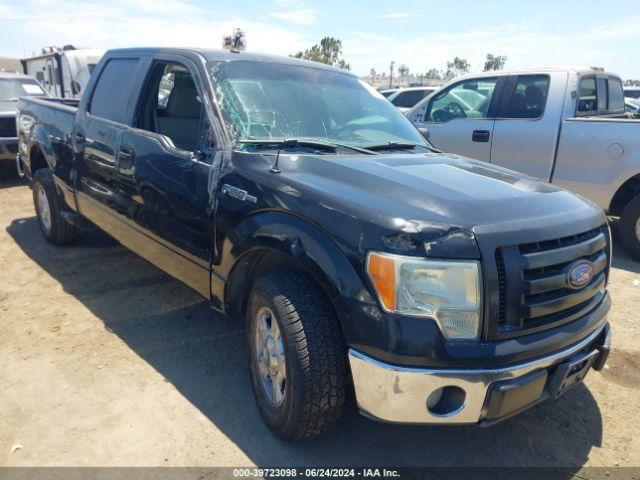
(627, 192)
(251, 266)
(36, 160)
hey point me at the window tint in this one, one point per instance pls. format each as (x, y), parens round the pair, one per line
(112, 91)
(409, 98)
(587, 95)
(616, 96)
(469, 99)
(529, 97)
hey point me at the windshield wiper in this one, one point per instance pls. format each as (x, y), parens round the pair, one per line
(399, 146)
(393, 146)
(304, 142)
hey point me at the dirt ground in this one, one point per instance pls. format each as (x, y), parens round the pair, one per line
(106, 361)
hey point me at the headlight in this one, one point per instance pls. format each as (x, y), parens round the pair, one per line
(448, 292)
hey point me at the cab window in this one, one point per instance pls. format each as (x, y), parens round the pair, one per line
(528, 98)
(113, 89)
(467, 99)
(172, 105)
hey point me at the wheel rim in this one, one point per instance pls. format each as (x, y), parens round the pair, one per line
(270, 359)
(44, 210)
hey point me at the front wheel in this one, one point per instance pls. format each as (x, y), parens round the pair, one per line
(48, 210)
(629, 227)
(297, 356)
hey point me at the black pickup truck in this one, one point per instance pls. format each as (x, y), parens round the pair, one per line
(291, 194)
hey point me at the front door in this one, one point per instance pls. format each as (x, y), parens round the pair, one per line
(460, 118)
(163, 167)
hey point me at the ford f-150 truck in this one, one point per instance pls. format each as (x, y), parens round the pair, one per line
(294, 196)
(566, 126)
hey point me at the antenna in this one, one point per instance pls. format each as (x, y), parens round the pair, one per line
(236, 42)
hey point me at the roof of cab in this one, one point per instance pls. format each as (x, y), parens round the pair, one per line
(212, 55)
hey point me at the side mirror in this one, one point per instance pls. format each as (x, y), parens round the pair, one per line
(424, 132)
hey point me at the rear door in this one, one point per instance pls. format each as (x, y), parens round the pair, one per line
(97, 136)
(460, 118)
(529, 115)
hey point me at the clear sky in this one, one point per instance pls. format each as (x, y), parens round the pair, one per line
(422, 34)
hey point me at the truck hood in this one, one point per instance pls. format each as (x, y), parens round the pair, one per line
(430, 194)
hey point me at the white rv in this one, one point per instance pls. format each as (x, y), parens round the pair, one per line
(63, 72)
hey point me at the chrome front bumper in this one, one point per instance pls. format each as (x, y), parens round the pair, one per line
(399, 394)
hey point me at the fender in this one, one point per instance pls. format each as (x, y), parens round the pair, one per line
(295, 238)
(39, 139)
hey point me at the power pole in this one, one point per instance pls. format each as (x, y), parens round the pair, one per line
(391, 74)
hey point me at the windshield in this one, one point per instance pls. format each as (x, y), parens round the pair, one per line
(265, 101)
(13, 88)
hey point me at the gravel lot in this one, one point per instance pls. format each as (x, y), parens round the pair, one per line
(107, 361)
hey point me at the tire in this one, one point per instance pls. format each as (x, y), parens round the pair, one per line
(312, 394)
(48, 209)
(629, 227)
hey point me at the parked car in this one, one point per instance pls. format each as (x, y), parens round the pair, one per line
(405, 98)
(632, 92)
(12, 86)
(564, 126)
(386, 93)
(446, 290)
(632, 107)
(64, 72)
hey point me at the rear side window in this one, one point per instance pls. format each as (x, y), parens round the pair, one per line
(616, 96)
(600, 96)
(528, 98)
(109, 99)
(587, 96)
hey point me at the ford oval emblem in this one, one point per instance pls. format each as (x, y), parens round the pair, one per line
(580, 274)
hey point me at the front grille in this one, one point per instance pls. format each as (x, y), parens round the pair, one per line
(533, 289)
(8, 127)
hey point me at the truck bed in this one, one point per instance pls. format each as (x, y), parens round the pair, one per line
(51, 121)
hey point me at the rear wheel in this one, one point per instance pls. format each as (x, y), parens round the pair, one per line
(297, 355)
(48, 210)
(629, 227)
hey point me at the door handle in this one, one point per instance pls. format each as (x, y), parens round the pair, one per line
(125, 159)
(481, 136)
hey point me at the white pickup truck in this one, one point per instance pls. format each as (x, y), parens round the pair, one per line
(565, 126)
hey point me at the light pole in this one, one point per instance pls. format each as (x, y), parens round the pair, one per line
(391, 74)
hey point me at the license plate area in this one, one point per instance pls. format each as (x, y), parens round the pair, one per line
(570, 373)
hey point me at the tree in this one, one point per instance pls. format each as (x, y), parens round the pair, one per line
(403, 70)
(329, 51)
(494, 62)
(433, 74)
(455, 68)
